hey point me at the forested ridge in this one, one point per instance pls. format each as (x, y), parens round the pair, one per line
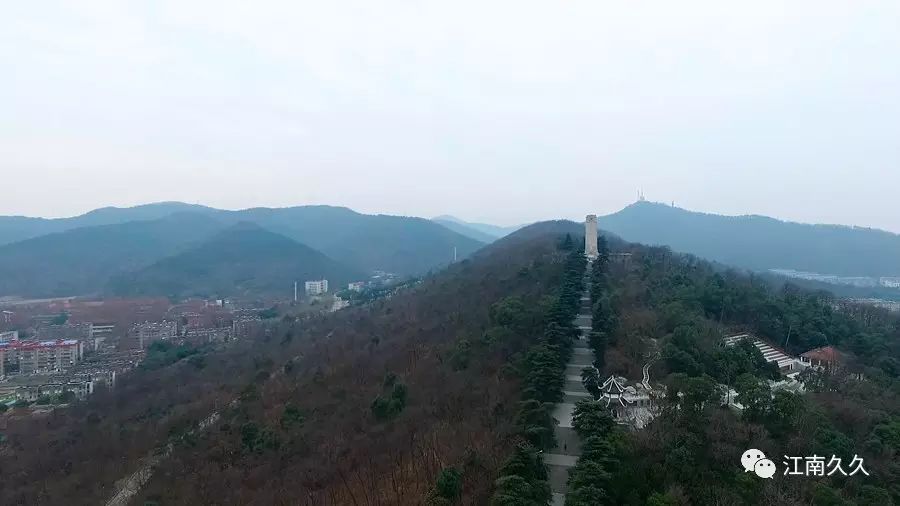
(409, 399)
(407, 403)
(677, 308)
(242, 260)
(523, 478)
(442, 394)
(759, 242)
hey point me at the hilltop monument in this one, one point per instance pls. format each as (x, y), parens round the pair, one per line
(590, 237)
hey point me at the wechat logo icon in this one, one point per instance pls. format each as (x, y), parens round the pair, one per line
(755, 461)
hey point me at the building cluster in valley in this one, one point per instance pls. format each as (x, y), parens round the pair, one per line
(54, 351)
(890, 305)
(857, 281)
(379, 279)
(58, 361)
(379, 284)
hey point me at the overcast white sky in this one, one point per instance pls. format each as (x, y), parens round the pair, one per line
(497, 111)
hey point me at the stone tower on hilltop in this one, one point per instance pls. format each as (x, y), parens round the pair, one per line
(590, 237)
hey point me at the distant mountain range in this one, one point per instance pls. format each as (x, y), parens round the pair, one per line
(20, 228)
(399, 244)
(104, 249)
(760, 243)
(81, 260)
(98, 250)
(755, 243)
(243, 259)
(479, 231)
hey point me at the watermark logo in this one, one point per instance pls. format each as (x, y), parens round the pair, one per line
(764, 468)
(820, 466)
(750, 458)
(755, 461)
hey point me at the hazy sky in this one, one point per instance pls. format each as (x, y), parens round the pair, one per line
(498, 111)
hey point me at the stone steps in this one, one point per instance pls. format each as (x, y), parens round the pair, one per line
(582, 361)
(578, 397)
(555, 459)
(567, 442)
(574, 386)
(562, 413)
(558, 476)
(568, 447)
(574, 368)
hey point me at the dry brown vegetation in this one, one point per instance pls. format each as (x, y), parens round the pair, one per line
(298, 424)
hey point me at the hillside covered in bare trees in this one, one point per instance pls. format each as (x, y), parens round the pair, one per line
(442, 394)
(367, 406)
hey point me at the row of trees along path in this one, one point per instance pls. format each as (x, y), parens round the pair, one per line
(568, 445)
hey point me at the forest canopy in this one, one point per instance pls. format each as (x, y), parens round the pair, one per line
(442, 394)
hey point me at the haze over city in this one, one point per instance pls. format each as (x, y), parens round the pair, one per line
(782, 109)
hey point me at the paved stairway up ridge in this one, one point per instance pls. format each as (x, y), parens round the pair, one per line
(568, 446)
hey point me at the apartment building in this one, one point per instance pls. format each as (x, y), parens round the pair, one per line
(148, 332)
(29, 357)
(317, 287)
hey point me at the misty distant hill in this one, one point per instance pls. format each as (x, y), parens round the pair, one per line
(760, 243)
(82, 260)
(400, 244)
(244, 259)
(20, 228)
(543, 229)
(483, 232)
(466, 230)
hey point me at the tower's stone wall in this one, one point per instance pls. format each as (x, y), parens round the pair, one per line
(590, 236)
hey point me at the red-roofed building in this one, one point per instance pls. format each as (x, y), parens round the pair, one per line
(826, 357)
(27, 357)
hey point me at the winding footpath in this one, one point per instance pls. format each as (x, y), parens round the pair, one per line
(564, 456)
(130, 486)
(653, 356)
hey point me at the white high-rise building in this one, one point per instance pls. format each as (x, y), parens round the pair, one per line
(317, 287)
(590, 237)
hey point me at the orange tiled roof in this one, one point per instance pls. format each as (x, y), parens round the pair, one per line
(824, 354)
